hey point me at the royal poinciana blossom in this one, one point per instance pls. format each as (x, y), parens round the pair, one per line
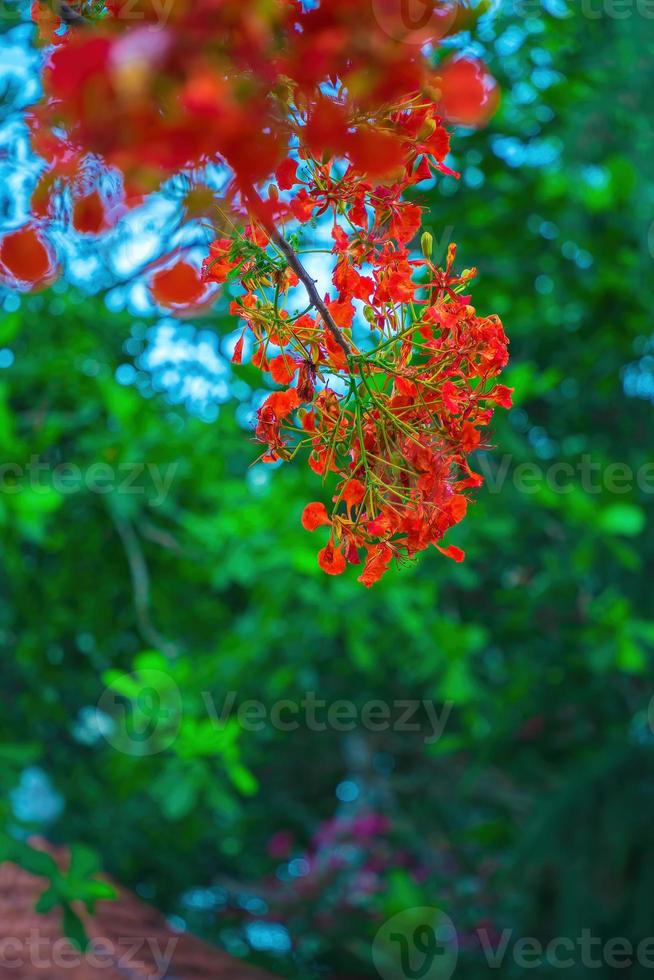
(325, 117)
(388, 421)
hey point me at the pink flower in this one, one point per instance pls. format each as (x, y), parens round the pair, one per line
(281, 844)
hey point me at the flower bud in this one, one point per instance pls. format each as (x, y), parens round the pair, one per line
(427, 244)
(427, 128)
(432, 91)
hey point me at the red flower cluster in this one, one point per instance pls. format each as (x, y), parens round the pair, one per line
(388, 380)
(154, 94)
(393, 417)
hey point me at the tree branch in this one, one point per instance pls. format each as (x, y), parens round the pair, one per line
(314, 295)
(299, 270)
(141, 586)
(68, 14)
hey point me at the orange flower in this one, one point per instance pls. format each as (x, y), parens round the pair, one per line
(377, 562)
(286, 174)
(502, 395)
(469, 94)
(282, 402)
(26, 256)
(452, 552)
(283, 369)
(237, 356)
(89, 215)
(178, 286)
(331, 560)
(352, 493)
(469, 437)
(315, 515)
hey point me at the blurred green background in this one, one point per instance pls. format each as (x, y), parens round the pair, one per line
(533, 811)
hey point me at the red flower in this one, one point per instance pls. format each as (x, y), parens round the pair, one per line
(405, 222)
(377, 562)
(283, 369)
(502, 395)
(286, 174)
(314, 515)
(218, 265)
(352, 493)
(377, 154)
(331, 560)
(282, 403)
(452, 397)
(306, 382)
(469, 94)
(237, 356)
(89, 214)
(178, 286)
(388, 415)
(452, 552)
(350, 284)
(26, 256)
(470, 437)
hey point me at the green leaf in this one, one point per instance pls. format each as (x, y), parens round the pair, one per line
(242, 779)
(37, 862)
(74, 929)
(623, 518)
(48, 901)
(84, 863)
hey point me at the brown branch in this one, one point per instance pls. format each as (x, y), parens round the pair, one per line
(68, 13)
(299, 270)
(314, 295)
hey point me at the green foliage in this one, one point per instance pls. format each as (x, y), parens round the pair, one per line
(532, 810)
(78, 884)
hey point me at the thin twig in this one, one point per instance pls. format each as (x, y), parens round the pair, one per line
(302, 274)
(310, 286)
(161, 537)
(141, 586)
